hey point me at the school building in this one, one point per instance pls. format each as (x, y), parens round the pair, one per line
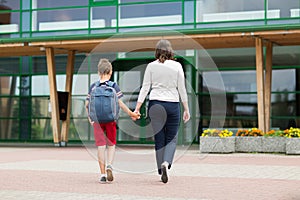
(241, 60)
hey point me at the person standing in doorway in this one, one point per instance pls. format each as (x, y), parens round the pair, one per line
(165, 80)
(105, 134)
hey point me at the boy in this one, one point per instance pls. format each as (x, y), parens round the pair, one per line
(105, 133)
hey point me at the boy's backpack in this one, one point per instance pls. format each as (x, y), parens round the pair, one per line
(103, 105)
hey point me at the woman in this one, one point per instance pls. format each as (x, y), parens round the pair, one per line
(164, 77)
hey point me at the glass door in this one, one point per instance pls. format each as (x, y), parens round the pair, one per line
(129, 75)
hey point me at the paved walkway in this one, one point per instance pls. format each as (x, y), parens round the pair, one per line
(72, 173)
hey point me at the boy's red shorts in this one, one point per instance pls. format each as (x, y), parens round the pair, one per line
(105, 133)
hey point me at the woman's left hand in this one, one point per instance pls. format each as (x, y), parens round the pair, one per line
(186, 116)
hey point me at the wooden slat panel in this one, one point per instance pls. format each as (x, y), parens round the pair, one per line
(53, 95)
(260, 84)
(68, 88)
(268, 85)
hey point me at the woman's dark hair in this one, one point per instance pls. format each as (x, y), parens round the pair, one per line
(164, 51)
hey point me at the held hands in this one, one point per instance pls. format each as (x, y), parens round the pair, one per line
(135, 115)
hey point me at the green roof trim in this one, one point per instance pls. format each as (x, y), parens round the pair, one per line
(153, 33)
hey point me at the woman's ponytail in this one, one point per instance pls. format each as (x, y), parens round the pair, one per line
(164, 51)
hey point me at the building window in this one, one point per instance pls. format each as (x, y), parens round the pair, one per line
(290, 8)
(232, 10)
(102, 16)
(48, 20)
(58, 3)
(149, 14)
(9, 5)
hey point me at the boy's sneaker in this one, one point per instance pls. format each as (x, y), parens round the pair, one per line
(109, 173)
(102, 179)
(164, 175)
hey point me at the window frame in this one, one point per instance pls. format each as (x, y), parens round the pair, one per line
(103, 2)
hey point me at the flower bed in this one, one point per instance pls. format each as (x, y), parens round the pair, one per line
(251, 140)
(248, 140)
(216, 141)
(217, 145)
(292, 145)
(274, 142)
(248, 144)
(292, 140)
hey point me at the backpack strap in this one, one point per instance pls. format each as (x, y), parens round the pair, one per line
(110, 83)
(97, 84)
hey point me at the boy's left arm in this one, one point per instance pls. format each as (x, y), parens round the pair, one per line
(87, 111)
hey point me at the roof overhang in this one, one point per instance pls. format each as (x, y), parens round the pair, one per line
(146, 43)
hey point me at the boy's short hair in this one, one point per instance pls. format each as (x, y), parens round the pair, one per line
(104, 66)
